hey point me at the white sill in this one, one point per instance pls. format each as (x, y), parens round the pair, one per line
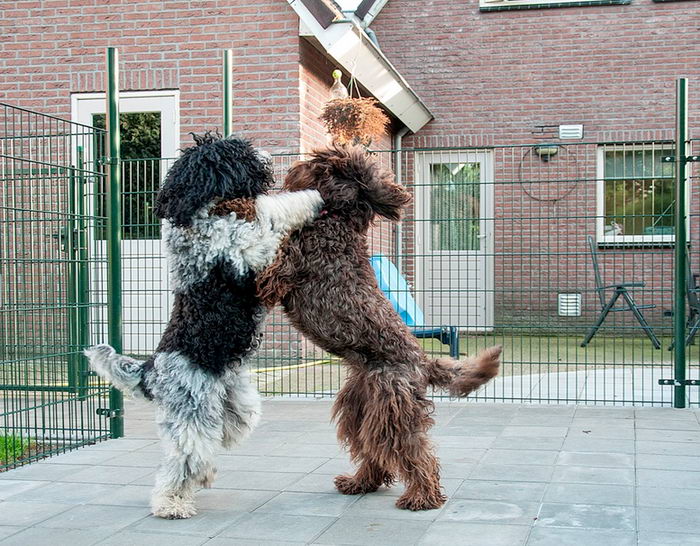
(504, 5)
(664, 241)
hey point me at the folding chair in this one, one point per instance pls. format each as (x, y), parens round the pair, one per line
(621, 289)
(692, 290)
(395, 288)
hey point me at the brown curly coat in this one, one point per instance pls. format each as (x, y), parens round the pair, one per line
(323, 278)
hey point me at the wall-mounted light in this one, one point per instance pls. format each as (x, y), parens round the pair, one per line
(545, 151)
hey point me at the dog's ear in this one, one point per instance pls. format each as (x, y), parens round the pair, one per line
(385, 196)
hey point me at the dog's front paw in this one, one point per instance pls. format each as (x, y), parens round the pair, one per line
(348, 485)
(174, 507)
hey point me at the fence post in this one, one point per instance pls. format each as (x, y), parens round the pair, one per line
(114, 220)
(228, 92)
(679, 394)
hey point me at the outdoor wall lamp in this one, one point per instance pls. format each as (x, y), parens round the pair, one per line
(545, 151)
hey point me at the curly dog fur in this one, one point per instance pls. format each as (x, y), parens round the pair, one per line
(198, 377)
(323, 278)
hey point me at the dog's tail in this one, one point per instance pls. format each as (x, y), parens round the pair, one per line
(123, 372)
(460, 377)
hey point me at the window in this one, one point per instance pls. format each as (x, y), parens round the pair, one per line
(454, 206)
(636, 200)
(499, 5)
(141, 174)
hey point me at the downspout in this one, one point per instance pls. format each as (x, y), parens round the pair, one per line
(398, 158)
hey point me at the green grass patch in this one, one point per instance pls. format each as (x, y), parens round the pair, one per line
(13, 448)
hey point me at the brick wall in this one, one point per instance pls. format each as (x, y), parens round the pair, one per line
(493, 78)
(53, 48)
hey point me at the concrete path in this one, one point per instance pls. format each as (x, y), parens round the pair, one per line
(515, 475)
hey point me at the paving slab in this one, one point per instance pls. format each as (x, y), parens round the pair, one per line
(514, 475)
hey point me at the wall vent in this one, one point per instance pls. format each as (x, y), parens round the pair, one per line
(569, 305)
(571, 132)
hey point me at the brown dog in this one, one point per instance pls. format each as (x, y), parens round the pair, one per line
(323, 278)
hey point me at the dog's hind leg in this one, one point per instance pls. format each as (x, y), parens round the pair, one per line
(241, 407)
(348, 412)
(190, 421)
(394, 431)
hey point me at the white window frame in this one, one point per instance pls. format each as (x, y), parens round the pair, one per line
(488, 5)
(613, 240)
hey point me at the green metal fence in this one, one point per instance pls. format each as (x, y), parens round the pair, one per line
(48, 272)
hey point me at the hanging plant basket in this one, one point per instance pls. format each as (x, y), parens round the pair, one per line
(354, 120)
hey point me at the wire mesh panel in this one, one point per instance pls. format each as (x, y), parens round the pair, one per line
(523, 246)
(48, 400)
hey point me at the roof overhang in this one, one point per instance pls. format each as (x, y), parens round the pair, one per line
(347, 45)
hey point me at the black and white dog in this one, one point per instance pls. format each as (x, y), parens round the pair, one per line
(220, 229)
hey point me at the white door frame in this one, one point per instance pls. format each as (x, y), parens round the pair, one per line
(422, 163)
(140, 339)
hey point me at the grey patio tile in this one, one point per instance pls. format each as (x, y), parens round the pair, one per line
(272, 481)
(474, 534)
(204, 524)
(308, 504)
(460, 455)
(108, 474)
(10, 488)
(590, 474)
(95, 517)
(535, 431)
(146, 479)
(588, 444)
(313, 483)
(587, 515)
(547, 409)
(473, 430)
(541, 420)
(588, 431)
(258, 464)
(668, 435)
(24, 514)
(526, 443)
(666, 538)
(666, 478)
(305, 450)
(328, 438)
(129, 538)
(41, 472)
(611, 460)
(513, 456)
(664, 413)
(468, 442)
(668, 462)
(7, 530)
(384, 506)
(456, 470)
(568, 493)
(40, 536)
(667, 448)
(69, 493)
(477, 420)
(604, 412)
(668, 424)
(136, 458)
(516, 473)
(82, 456)
(668, 519)
(500, 491)
(368, 530)
(668, 497)
(552, 536)
(276, 528)
(490, 511)
(239, 500)
(125, 444)
(252, 542)
(125, 495)
(336, 466)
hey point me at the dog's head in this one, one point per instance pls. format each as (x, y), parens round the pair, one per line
(213, 170)
(351, 183)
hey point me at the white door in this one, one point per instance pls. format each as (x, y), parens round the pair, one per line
(454, 238)
(145, 292)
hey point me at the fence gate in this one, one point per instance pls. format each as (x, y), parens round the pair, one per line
(49, 403)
